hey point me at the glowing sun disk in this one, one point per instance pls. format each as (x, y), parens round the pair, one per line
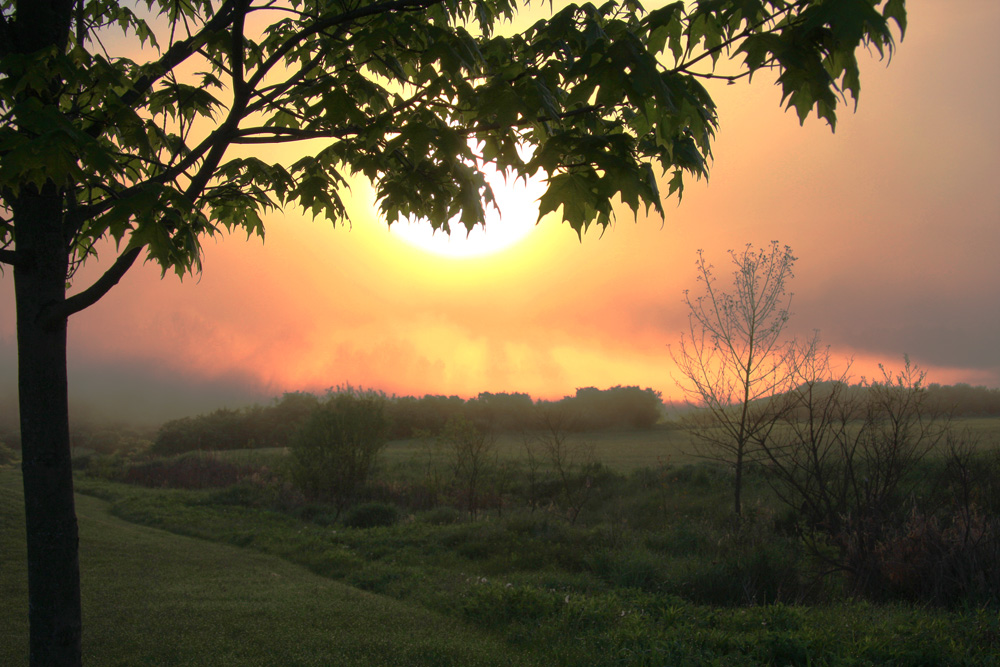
(518, 210)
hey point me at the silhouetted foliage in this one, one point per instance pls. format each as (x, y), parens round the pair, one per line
(336, 449)
(963, 400)
(255, 426)
(7, 455)
(616, 407)
(371, 515)
(274, 425)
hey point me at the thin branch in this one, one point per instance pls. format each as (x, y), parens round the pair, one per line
(263, 135)
(320, 26)
(486, 127)
(731, 78)
(93, 294)
(746, 32)
(175, 55)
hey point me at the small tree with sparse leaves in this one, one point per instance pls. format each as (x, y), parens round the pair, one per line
(732, 360)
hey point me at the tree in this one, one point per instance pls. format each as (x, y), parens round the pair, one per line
(143, 140)
(473, 459)
(732, 362)
(336, 449)
(847, 458)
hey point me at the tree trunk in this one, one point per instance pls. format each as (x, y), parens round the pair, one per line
(738, 484)
(50, 516)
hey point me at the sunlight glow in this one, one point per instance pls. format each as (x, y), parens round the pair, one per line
(515, 220)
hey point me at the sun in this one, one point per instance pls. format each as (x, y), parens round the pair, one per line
(517, 201)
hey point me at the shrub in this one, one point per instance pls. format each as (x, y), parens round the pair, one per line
(371, 515)
(185, 472)
(947, 562)
(336, 450)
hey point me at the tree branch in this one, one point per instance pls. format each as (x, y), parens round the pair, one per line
(4, 35)
(486, 127)
(178, 53)
(238, 48)
(9, 257)
(686, 66)
(286, 134)
(93, 294)
(320, 26)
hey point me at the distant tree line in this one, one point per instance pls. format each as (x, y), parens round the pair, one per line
(963, 400)
(954, 401)
(275, 425)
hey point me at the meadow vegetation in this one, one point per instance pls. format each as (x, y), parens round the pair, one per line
(545, 546)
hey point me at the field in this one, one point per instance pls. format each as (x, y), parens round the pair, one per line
(152, 597)
(623, 451)
(637, 562)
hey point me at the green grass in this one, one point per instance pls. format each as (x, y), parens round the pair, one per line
(623, 451)
(655, 572)
(155, 598)
(577, 595)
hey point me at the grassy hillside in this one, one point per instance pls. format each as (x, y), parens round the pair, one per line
(155, 598)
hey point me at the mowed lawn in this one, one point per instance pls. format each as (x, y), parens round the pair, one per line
(155, 598)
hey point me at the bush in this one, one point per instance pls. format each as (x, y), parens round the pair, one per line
(185, 472)
(371, 515)
(336, 450)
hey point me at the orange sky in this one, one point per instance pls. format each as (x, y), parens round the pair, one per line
(894, 220)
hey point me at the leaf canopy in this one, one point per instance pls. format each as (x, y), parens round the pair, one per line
(154, 118)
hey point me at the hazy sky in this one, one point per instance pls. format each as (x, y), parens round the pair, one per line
(895, 220)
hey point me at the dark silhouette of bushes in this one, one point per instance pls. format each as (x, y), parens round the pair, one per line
(336, 450)
(256, 426)
(188, 472)
(7, 455)
(616, 407)
(275, 425)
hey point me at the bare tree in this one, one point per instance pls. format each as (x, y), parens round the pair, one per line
(732, 361)
(846, 459)
(474, 458)
(570, 463)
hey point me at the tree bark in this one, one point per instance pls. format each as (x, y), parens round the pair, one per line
(738, 484)
(50, 516)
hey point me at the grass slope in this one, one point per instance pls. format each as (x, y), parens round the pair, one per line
(156, 598)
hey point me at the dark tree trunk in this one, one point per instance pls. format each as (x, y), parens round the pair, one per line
(50, 516)
(738, 484)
